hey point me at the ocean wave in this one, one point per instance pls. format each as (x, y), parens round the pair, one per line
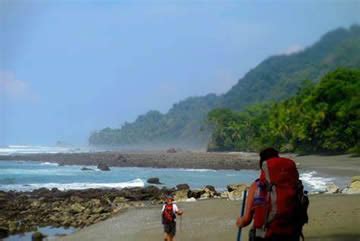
(197, 170)
(72, 186)
(49, 164)
(28, 149)
(316, 183)
(231, 175)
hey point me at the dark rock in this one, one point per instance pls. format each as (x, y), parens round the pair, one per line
(182, 186)
(12, 227)
(55, 189)
(42, 191)
(195, 193)
(4, 232)
(121, 158)
(103, 167)
(211, 188)
(153, 192)
(37, 236)
(171, 150)
(141, 194)
(166, 191)
(87, 169)
(236, 187)
(154, 180)
(76, 208)
(208, 193)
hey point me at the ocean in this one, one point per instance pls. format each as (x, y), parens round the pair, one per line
(29, 175)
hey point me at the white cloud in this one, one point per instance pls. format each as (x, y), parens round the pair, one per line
(13, 88)
(296, 48)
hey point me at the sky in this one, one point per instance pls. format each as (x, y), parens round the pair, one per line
(68, 68)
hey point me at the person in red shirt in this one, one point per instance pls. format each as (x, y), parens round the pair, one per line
(169, 212)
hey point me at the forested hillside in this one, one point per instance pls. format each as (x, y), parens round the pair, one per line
(276, 78)
(324, 117)
(182, 126)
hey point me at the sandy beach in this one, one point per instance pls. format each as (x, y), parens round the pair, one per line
(332, 217)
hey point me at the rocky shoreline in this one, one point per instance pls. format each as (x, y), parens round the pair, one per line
(178, 159)
(25, 211)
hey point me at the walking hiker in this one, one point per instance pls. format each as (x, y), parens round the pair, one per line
(168, 213)
(276, 202)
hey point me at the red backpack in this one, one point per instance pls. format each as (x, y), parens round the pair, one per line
(280, 208)
(168, 215)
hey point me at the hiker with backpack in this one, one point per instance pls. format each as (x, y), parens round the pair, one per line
(276, 202)
(168, 213)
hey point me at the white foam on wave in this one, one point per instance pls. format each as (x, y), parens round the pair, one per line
(28, 149)
(230, 175)
(49, 164)
(197, 170)
(72, 186)
(317, 183)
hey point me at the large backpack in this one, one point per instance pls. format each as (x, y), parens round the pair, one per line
(280, 206)
(168, 215)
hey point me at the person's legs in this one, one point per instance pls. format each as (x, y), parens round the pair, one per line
(172, 232)
(167, 232)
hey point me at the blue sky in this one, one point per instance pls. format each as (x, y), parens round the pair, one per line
(71, 67)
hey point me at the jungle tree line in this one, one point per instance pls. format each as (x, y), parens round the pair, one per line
(322, 117)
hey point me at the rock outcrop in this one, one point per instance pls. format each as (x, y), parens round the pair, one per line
(4, 232)
(332, 188)
(154, 180)
(37, 236)
(103, 167)
(171, 150)
(24, 211)
(208, 192)
(354, 186)
(181, 195)
(235, 191)
(182, 186)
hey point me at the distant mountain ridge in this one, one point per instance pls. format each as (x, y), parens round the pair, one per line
(276, 78)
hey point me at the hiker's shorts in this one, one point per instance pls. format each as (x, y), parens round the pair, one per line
(170, 228)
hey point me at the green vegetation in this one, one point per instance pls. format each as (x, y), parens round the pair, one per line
(184, 120)
(274, 79)
(321, 118)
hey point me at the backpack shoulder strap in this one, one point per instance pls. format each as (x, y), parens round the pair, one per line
(272, 192)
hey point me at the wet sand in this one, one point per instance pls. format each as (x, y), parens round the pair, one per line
(337, 165)
(159, 159)
(332, 217)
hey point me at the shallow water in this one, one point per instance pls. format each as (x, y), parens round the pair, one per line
(51, 232)
(30, 175)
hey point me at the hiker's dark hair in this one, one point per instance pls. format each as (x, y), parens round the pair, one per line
(268, 153)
